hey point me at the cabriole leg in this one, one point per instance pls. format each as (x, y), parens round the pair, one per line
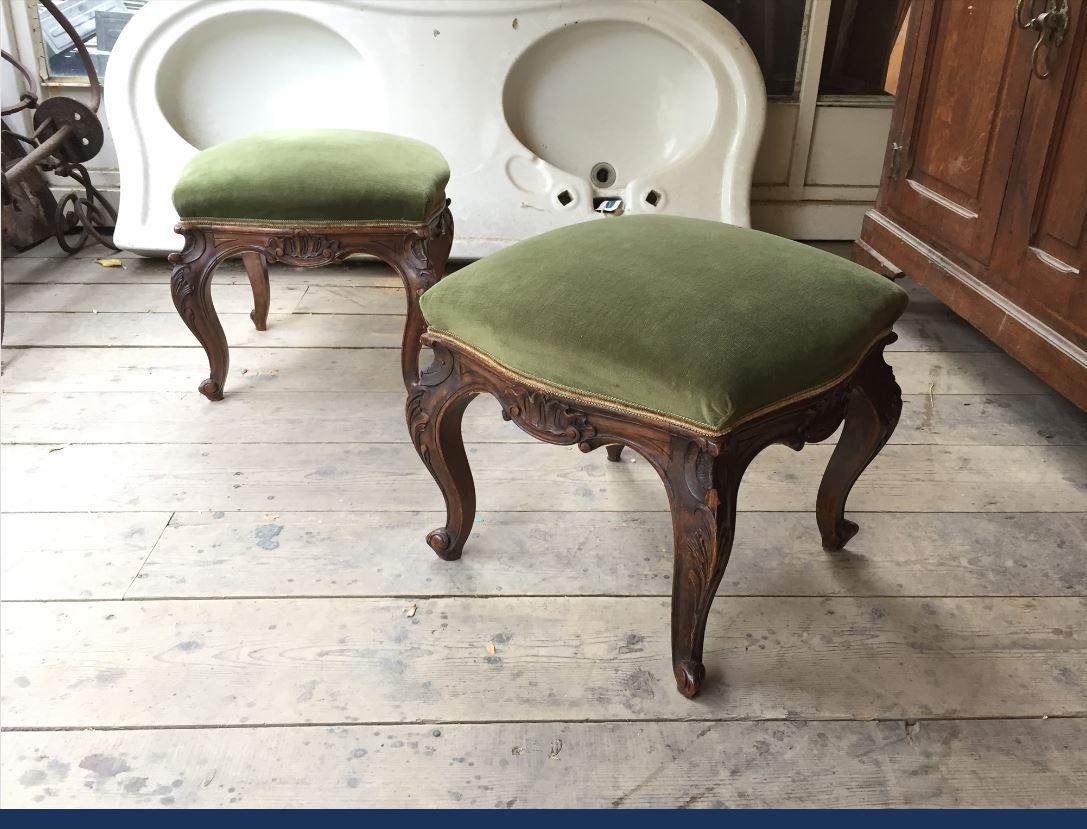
(256, 265)
(703, 501)
(421, 265)
(875, 403)
(190, 286)
(434, 412)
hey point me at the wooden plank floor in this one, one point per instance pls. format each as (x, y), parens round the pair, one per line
(232, 604)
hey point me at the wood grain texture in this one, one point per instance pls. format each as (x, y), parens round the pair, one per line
(78, 270)
(701, 475)
(355, 417)
(934, 329)
(236, 298)
(74, 555)
(352, 299)
(284, 331)
(761, 764)
(417, 252)
(278, 661)
(594, 643)
(383, 477)
(952, 372)
(982, 196)
(158, 369)
(368, 554)
(49, 249)
(171, 369)
(1044, 222)
(1054, 358)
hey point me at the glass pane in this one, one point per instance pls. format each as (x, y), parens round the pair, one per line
(98, 23)
(772, 28)
(861, 42)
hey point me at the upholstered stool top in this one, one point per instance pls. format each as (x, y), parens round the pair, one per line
(314, 175)
(693, 321)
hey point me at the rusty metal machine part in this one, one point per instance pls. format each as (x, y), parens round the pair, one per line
(67, 134)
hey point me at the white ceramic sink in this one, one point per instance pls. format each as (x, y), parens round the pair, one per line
(610, 92)
(541, 106)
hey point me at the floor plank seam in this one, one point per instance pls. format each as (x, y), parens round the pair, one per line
(559, 721)
(407, 442)
(483, 596)
(198, 347)
(595, 511)
(377, 393)
(29, 346)
(171, 313)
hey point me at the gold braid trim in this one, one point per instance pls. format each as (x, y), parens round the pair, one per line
(291, 225)
(624, 407)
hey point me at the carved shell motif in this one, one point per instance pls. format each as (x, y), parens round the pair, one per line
(304, 250)
(824, 416)
(546, 418)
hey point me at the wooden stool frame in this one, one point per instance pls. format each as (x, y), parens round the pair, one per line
(701, 471)
(417, 251)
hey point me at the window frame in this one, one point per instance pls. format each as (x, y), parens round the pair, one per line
(37, 43)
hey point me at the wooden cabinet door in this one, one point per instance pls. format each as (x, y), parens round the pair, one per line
(1042, 249)
(970, 72)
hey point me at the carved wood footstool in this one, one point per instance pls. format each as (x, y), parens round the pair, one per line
(694, 343)
(308, 198)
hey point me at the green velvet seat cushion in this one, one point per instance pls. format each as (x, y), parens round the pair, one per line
(314, 175)
(701, 322)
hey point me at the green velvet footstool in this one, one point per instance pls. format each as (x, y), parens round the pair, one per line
(308, 198)
(696, 344)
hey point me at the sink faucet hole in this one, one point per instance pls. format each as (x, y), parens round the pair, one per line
(603, 174)
(652, 198)
(564, 198)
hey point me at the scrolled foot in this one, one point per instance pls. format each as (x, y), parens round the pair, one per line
(874, 405)
(190, 287)
(615, 452)
(839, 535)
(689, 676)
(442, 543)
(211, 390)
(256, 265)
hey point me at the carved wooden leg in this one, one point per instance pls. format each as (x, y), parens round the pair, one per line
(256, 265)
(703, 499)
(414, 326)
(441, 243)
(615, 452)
(421, 266)
(190, 285)
(875, 403)
(434, 411)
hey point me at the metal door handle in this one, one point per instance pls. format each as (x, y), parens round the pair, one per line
(1051, 24)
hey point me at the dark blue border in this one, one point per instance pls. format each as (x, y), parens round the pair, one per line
(551, 819)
